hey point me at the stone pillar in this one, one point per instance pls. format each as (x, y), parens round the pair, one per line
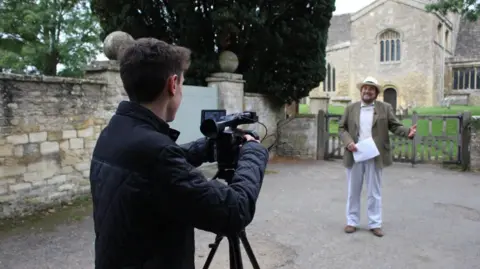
(475, 145)
(230, 90)
(319, 103)
(113, 92)
(109, 71)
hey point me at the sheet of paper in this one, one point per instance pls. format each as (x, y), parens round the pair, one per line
(366, 150)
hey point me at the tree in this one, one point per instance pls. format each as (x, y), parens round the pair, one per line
(470, 9)
(36, 36)
(280, 44)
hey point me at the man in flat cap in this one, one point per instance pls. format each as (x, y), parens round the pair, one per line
(368, 118)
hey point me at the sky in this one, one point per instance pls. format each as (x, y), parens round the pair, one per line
(342, 7)
(350, 6)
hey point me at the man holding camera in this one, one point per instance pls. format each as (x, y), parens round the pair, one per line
(148, 195)
(368, 118)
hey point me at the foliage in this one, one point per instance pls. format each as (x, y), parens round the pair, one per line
(38, 35)
(470, 9)
(280, 44)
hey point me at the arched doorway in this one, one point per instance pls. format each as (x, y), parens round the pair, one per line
(390, 96)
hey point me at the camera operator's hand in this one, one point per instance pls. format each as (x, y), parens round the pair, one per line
(250, 138)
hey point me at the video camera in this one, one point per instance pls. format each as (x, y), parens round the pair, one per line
(226, 147)
(226, 142)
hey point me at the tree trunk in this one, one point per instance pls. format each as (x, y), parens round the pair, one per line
(51, 61)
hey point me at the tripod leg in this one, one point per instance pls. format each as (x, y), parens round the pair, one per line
(235, 254)
(214, 248)
(248, 250)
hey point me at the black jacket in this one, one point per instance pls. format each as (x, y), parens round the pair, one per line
(148, 195)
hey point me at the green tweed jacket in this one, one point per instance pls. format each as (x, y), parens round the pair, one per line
(384, 120)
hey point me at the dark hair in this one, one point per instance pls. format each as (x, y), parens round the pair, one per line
(147, 63)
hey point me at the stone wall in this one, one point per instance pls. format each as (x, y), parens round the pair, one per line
(268, 113)
(472, 95)
(416, 75)
(475, 145)
(49, 126)
(412, 77)
(338, 57)
(298, 137)
(442, 50)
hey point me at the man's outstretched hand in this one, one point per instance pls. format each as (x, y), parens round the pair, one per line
(413, 131)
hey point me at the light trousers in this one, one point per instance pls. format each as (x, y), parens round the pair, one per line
(356, 175)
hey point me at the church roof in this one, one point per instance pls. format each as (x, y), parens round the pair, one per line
(468, 40)
(339, 30)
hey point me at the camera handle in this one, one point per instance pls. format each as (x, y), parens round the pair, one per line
(252, 133)
(235, 254)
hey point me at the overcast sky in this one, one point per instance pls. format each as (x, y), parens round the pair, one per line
(349, 6)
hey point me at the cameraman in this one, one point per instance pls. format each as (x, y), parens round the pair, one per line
(147, 194)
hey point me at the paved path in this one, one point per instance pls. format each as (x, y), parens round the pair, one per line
(431, 220)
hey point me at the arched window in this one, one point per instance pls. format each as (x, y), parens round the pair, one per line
(390, 46)
(329, 82)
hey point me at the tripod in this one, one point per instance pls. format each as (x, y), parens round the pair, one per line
(235, 254)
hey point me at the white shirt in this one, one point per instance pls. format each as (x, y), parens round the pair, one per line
(366, 120)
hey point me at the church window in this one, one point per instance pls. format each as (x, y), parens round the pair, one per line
(460, 74)
(447, 40)
(398, 49)
(477, 71)
(382, 51)
(472, 78)
(390, 46)
(387, 49)
(329, 82)
(439, 33)
(466, 78)
(455, 80)
(333, 79)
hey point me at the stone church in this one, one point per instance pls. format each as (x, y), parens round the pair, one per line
(420, 58)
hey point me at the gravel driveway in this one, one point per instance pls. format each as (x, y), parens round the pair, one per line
(431, 220)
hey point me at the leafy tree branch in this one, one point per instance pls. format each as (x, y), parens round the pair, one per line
(470, 9)
(36, 36)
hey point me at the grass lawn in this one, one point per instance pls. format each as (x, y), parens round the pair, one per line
(430, 147)
(304, 109)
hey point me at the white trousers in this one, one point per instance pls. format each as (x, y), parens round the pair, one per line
(355, 176)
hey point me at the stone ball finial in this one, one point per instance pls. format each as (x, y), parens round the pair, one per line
(228, 61)
(114, 42)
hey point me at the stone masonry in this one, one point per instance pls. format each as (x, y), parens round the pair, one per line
(49, 126)
(413, 77)
(269, 114)
(297, 137)
(430, 46)
(48, 130)
(475, 145)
